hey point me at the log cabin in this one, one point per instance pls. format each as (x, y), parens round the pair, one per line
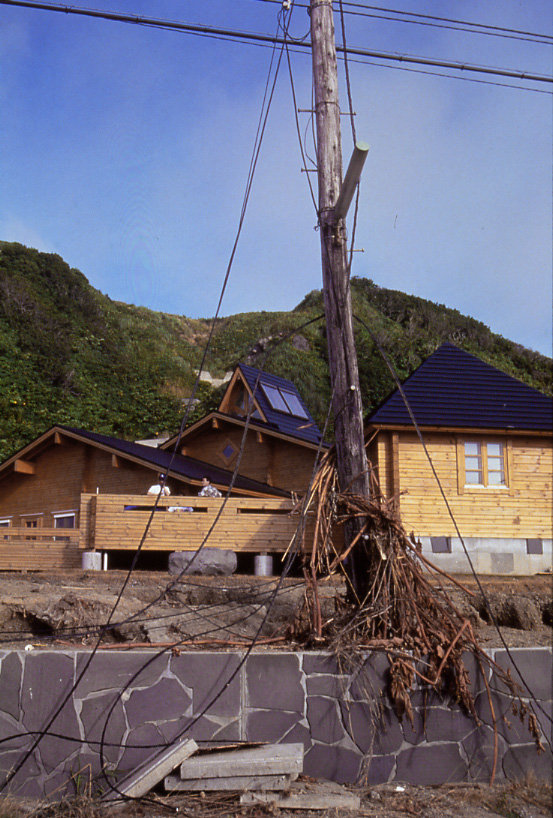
(473, 478)
(94, 487)
(278, 443)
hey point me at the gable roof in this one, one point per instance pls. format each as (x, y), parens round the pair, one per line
(455, 389)
(293, 419)
(176, 465)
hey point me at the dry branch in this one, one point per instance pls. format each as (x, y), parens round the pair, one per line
(403, 611)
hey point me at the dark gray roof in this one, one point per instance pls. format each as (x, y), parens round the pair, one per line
(303, 428)
(455, 389)
(179, 465)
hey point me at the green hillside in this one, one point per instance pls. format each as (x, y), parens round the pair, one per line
(71, 355)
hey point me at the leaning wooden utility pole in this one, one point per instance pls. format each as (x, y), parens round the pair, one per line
(344, 373)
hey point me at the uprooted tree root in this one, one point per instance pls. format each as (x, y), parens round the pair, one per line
(403, 611)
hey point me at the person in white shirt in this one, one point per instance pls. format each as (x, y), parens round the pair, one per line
(160, 488)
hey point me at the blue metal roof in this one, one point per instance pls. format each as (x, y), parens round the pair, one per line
(304, 428)
(455, 389)
(180, 465)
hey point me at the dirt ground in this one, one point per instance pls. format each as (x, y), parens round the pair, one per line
(529, 798)
(70, 608)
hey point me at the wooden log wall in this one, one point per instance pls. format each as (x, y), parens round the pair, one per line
(118, 522)
(522, 509)
(39, 549)
(275, 462)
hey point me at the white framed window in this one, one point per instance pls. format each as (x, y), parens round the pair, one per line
(64, 519)
(5, 522)
(483, 464)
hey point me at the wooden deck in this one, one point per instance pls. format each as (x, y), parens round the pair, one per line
(260, 526)
(109, 522)
(39, 549)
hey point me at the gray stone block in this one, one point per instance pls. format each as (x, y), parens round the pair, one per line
(325, 720)
(274, 681)
(106, 711)
(509, 725)
(140, 745)
(47, 679)
(478, 747)
(524, 759)
(299, 734)
(269, 725)
(11, 670)
(115, 670)
(210, 729)
(326, 685)
(435, 764)
(377, 769)
(207, 675)
(319, 663)
(447, 724)
(164, 701)
(207, 562)
(536, 668)
(333, 763)
(12, 732)
(372, 730)
(372, 679)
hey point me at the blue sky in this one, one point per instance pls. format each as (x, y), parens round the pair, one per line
(126, 150)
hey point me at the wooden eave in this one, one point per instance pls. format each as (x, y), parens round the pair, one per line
(237, 376)
(393, 427)
(19, 462)
(232, 420)
(50, 438)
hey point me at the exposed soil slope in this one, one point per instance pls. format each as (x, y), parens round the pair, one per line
(70, 607)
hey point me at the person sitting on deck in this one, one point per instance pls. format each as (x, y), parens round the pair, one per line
(160, 487)
(208, 490)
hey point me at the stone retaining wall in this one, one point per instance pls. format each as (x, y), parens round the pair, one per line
(126, 704)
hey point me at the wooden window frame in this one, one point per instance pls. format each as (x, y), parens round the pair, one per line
(463, 486)
(63, 515)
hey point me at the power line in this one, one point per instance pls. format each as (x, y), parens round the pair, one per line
(433, 21)
(430, 18)
(235, 34)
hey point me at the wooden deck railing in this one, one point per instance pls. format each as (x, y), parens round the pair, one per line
(110, 522)
(245, 524)
(38, 549)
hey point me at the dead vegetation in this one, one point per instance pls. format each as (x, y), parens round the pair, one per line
(402, 611)
(525, 798)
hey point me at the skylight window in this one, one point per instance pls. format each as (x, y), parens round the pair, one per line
(284, 401)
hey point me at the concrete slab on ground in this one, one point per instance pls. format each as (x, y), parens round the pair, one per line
(231, 784)
(316, 795)
(269, 759)
(151, 772)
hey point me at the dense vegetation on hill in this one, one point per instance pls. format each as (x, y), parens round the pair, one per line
(70, 355)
